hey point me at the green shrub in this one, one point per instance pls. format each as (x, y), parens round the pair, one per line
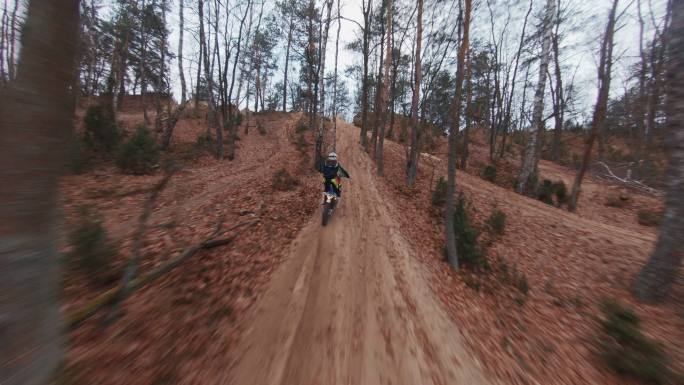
(100, 129)
(545, 192)
(560, 191)
(649, 218)
(521, 282)
(467, 247)
(237, 119)
(139, 154)
(497, 221)
(284, 181)
(91, 248)
(489, 172)
(77, 155)
(627, 350)
(440, 193)
(301, 127)
(204, 140)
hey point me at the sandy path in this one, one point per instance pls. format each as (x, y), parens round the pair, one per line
(350, 305)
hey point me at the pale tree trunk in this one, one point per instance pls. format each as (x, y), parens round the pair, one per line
(3, 34)
(604, 75)
(321, 79)
(181, 74)
(337, 52)
(364, 83)
(638, 136)
(511, 94)
(209, 78)
(142, 68)
(468, 115)
(414, 154)
(657, 276)
(231, 122)
(449, 228)
(12, 41)
(657, 62)
(528, 169)
(559, 105)
(384, 100)
(35, 123)
(378, 89)
(287, 61)
(198, 79)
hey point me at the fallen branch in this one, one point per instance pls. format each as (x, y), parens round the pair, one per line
(108, 297)
(635, 184)
(132, 268)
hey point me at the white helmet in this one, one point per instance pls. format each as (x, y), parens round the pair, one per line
(332, 159)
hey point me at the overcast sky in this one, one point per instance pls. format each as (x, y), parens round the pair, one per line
(579, 57)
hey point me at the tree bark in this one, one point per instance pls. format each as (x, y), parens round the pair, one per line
(604, 76)
(507, 114)
(414, 154)
(231, 121)
(287, 61)
(468, 115)
(656, 278)
(208, 75)
(528, 170)
(35, 122)
(559, 105)
(384, 101)
(337, 52)
(364, 83)
(449, 228)
(181, 74)
(321, 118)
(378, 89)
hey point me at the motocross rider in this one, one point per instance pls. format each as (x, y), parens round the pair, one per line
(332, 174)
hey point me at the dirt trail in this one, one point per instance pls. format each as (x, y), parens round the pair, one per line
(350, 305)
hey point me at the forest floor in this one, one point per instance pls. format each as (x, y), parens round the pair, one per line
(547, 332)
(177, 329)
(368, 299)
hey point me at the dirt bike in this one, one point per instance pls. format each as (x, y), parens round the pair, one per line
(329, 203)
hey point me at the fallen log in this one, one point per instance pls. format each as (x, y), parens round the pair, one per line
(76, 317)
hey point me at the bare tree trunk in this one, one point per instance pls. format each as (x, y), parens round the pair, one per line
(384, 101)
(209, 78)
(378, 92)
(528, 169)
(321, 76)
(35, 123)
(414, 154)
(143, 67)
(604, 75)
(181, 74)
(449, 228)
(231, 121)
(656, 278)
(559, 106)
(367, 8)
(12, 41)
(4, 35)
(199, 78)
(507, 114)
(287, 61)
(468, 114)
(657, 62)
(337, 52)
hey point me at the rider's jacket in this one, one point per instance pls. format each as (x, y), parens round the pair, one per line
(331, 172)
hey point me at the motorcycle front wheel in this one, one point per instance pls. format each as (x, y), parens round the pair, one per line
(326, 213)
